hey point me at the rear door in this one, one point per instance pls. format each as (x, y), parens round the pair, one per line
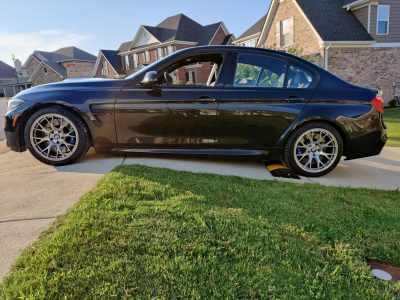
(262, 97)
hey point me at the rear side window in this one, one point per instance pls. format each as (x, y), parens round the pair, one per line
(299, 78)
(260, 71)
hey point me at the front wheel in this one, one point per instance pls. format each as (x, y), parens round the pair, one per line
(314, 150)
(56, 136)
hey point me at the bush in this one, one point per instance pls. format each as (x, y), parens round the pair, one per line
(392, 103)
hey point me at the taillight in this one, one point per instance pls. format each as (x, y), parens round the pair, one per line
(378, 103)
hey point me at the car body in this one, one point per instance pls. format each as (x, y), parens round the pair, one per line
(256, 100)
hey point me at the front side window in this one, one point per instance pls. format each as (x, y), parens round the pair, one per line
(260, 71)
(202, 70)
(383, 20)
(299, 78)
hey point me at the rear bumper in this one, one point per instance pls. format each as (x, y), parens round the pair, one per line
(367, 137)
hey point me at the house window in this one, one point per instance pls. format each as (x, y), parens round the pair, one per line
(127, 62)
(45, 70)
(382, 27)
(147, 56)
(286, 32)
(104, 69)
(170, 49)
(135, 60)
(251, 43)
(160, 53)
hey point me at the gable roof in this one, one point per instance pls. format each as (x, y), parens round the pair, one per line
(55, 59)
(182, 28)
(76, 54)
(254, 29)
(6, 71)
(329, 20)
(125, 46)
(114, 59)
(333, 22)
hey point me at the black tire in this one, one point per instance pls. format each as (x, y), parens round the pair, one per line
(290, 151)
(82, 146)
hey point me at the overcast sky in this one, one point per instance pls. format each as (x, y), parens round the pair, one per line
(27, 25)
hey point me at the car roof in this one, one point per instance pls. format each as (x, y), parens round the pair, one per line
(242, 49)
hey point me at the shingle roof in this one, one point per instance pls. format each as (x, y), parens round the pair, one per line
(6, 71)
(125, 46)
(346, 2)
(255, 29)
(76, 54)
(54, 59)
(114, 59)
(182, 28)
(333, 22)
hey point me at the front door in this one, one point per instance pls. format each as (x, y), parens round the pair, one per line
(180, 112)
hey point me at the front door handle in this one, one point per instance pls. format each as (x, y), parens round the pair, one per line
(295, 98)
(206, 99)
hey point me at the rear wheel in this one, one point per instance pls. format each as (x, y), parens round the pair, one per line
(314, 150)
(56, 136)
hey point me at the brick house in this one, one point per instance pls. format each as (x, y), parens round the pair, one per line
(153, 43)
(359, 40)
(45, 67)
(7, 79)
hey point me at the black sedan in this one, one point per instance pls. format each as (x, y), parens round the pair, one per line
(217, 100)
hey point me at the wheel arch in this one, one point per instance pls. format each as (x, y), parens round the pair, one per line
(25, 117)
(339, 127)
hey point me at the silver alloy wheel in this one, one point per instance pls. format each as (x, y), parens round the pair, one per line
(316, 150)
(54, 137)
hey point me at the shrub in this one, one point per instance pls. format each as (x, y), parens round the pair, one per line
(392, 103)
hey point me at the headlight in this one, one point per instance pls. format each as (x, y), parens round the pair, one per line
(14, 103)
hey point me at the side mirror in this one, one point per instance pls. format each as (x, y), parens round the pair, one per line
(150, 80)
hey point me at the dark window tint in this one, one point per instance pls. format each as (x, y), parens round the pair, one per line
(299, 78)
(260, 71)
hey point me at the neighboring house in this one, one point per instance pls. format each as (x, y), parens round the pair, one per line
(8, 80)
(153, 43)
(70, 62)
(357, 40)
(250, 37)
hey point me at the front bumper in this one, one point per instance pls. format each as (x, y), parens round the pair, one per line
(13, 132)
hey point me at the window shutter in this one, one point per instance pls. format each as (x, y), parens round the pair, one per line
(278, 34)
(291, 30)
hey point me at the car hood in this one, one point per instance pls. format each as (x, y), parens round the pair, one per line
(73, 84)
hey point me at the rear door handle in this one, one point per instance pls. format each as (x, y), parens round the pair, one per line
(206, 99)
(295, 98)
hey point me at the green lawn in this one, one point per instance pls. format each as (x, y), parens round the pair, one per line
(392, 121)
(147, 233)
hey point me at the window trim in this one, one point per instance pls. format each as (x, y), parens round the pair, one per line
(232, 84)
(378, 20)
(104, 68)
(282, 44)
(220, 80)
(290, 62)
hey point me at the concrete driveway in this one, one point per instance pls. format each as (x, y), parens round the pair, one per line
(32, 195)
